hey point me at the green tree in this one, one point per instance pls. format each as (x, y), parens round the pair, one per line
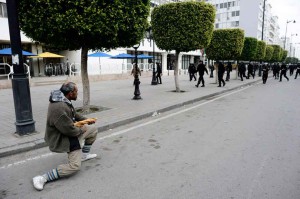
(276, 53)
(269, 53)
(182, 27)
(291, 60)
(85, 25)
(249, 50)
(260, 51)
(226, 44)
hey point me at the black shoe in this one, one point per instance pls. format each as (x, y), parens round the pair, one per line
(288, 79)
(224, 84)
(279, 80)
(197, 85)
(219, 86)
(203, 86)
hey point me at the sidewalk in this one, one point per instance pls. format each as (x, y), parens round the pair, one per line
(115, 97)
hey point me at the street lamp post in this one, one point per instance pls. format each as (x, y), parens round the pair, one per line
(150, 37)
(20, 83)
(287, 22)
(137, 93)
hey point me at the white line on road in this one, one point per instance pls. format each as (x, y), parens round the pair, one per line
(134, 127)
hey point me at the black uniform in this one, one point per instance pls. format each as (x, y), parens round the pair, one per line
(283, 69)
(291, 68)
(158, 73)
(201, 69)
(297, 71)
(192, 71)
(221, 71)
(265, 72)
(276, 69)
(250, 71)
(242, 70)
(211, 68)
(228, 69)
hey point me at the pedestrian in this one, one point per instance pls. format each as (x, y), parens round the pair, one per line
(291, 68)
(250, 70)
(276, 70)
(158, 73)
(242, 70)
(283, 69)
(192, 71)
(133, 72)
(221, 71)
(228, 69)
(201, 69)
(63, 136)
(265, 72)
(297, 70)
(211, 68)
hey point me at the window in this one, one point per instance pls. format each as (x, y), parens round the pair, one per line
(217, 25)
(237, 13)
(229, 4)
(225, 5)
(235, 24)
(221, 5)
(3, 10)
(185, 61)
(233, 13)
(217, 6)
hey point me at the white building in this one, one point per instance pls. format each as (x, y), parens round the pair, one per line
(247, 15)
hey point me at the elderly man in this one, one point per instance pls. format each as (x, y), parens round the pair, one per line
(63, 136)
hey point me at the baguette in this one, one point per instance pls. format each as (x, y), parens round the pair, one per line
(86, 121)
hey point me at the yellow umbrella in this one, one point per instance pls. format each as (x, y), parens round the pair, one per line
(47, 55)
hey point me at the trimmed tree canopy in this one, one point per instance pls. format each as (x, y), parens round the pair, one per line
(94, 24)
(269, 53)
(249, 50)
(183, 26)
(276, 53)
(260, 51)
(226, 44)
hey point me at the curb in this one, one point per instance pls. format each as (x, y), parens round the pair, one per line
(40, 143)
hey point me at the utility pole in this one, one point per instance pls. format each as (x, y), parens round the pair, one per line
(20, 83)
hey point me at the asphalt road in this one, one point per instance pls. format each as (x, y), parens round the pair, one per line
(243, 144)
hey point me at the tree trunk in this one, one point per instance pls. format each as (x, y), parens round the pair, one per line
(176, 72)
(85, 81)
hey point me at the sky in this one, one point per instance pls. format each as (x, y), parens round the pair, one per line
(287, 10)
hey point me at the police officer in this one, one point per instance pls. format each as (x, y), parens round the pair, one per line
(297, 70)
(192, 71)
(283, 69)
(265, 72)
(242, 70)
(221, 71)
(201, 69)
(228, 69)
(250, 70)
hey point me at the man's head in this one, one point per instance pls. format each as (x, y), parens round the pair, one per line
(70, 90)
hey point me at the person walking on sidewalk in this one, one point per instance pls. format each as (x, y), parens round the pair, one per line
(242, 70)
(297, 70)
(283, 69)
(158, 73)
(63, 136)
(221, 71)
(265, 73)
(192, 71)
(228, 69)
(201, 69)
(133, 71)
(250, 70)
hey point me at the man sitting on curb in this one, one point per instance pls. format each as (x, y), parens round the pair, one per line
(63, 136)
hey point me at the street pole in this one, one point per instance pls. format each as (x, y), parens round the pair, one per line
(154, 81)
(20, 83)
(262, 36)
(137, 93)
(294, 21)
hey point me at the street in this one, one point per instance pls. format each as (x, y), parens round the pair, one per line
(241, 144)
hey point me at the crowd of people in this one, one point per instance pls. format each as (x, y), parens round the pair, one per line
(244, 71)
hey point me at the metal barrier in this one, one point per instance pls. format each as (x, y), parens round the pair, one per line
(75, 69)
(3, 67)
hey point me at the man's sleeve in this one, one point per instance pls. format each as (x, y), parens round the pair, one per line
(66, 126)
